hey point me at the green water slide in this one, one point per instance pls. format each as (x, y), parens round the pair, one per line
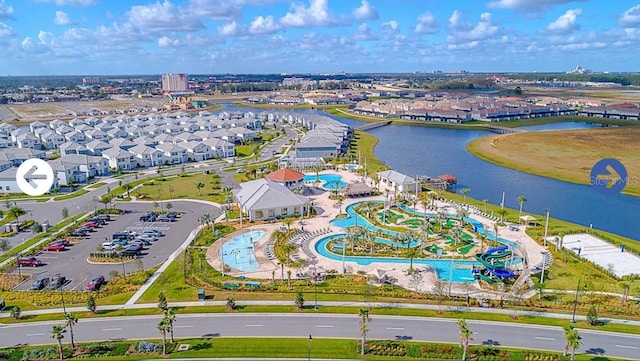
(493, 260)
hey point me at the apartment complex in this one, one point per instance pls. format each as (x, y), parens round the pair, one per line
(172, 83)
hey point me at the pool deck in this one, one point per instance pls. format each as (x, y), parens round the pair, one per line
(327, 210)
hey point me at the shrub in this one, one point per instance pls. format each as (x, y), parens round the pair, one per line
(146, 347)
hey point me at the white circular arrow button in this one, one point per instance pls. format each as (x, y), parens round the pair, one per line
(34, 177)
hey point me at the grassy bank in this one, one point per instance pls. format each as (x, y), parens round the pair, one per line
(363, 145)
(292, 107)
(567, 155)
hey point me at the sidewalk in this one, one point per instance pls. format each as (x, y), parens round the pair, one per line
(495, 311)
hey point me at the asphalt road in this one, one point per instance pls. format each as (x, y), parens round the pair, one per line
(73, 263)
(326, 325)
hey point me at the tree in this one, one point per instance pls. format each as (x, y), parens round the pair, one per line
(287, 222)
(4, 245)
(57, 333)
(106, 199)
(517, 90)
(127, 187)
(574, 341)
(566, 330)
(521, 200)
(15, 213)
(199, 185)
(170, 317)
(464, 192)
(16, 312)
(91, 304)
(412, 253)
(592, 316)
(465, 336)
(169, 206)
(70, 321)
(163, 327)
(65, 213)
(231, 303)
(364, 327)
(299, 300)
(162, 302)
(289, 278)
(484, 202)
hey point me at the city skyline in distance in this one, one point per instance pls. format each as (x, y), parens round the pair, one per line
(72, 37)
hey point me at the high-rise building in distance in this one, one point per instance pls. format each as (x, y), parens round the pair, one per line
(175, 82)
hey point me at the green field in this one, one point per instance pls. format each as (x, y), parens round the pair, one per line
(181, 187)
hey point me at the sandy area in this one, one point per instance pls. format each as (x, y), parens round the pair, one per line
(602, 253)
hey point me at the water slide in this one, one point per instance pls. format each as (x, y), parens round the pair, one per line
(502, 273)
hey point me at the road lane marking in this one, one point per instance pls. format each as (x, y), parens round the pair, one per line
(545, 338)
(253, 325)
(396, 328)
(324, 326)
(36, 334)
(182, 326)
(112, 329)
(631, 347)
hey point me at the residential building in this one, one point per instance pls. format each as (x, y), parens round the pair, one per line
(120, 159)
(147, 156)
(396, 181)
(173, 154)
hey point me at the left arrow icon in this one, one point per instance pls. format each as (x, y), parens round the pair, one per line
(35, 177)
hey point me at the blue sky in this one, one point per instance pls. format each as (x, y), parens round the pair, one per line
(59, 37)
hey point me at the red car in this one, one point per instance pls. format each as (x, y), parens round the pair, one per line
(91, 224)
(29, 262)
(95, 283)
(55, 247)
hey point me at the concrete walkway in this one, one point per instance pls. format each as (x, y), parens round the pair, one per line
(495, 311)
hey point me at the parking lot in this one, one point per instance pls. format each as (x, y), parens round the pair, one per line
(73, 264)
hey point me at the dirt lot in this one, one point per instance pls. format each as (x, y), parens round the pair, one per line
(565, 155)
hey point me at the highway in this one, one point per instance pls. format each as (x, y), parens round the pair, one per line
(327, 326)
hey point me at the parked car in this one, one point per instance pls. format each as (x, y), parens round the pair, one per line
(55, 247)
(105, 217)
(91, 224)
(29, 262)
(145, 241)
(84, 229)
(40, 283)
(172, 215)
(122, 235)
(57, 282)
(95, 283)
(164, 218)
(131, 250)
(111, 246)
(148, 217)
(78, 233)
(153, 232)
(147, 237)
(97, 220)
(62, 241)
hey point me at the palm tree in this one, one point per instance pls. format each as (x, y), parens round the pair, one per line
(16, 212)
(370, 237)
(57, 333)
(199, 185)
(287, 222)
(70, 320)
(495, 229)
(574, 341)
(484, 202)
(364, 327)
(170, 317)
(164, 327)
(127, 187)
(566, 331)
(465, 336)
(521, 200)
(464, 192)
(106, 199)
(412, 253)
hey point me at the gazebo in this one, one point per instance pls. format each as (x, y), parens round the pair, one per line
(356, 190)
(527, 218)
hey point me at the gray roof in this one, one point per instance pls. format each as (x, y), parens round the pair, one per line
(396, 177)
(266, 194)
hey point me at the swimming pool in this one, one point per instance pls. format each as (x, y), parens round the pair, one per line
(458, 270)
(329, 181)
(238, 252)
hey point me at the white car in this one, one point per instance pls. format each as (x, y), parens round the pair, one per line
(147, 237)
(111, 246)
(153, 232)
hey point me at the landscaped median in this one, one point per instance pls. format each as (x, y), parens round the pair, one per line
(282, 348)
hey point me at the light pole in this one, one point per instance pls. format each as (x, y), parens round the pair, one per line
(64, 307)
(575, 303)
(124, 273)
(546, 228)
(344, 248)
(315, 286)
(309, 348)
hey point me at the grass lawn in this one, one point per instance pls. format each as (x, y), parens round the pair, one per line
(96, 185)
(567, 155)
(77, 193)
(177, 187)
(363, 144)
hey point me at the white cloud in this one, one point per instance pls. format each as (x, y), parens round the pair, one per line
(527, 4)
(45, 37)
(483, 30)
(161, 17)
(26, 43)
(229, 29)
(216, 9)
(364, 33)
(427, 24)
(63, 18)
(166, 41)
(317, 14)
(6, 12)
(565, 23)
(630, 18)
(71, 2)
(366, 12)
(456, 23)
(6, 30)
(264, 25)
